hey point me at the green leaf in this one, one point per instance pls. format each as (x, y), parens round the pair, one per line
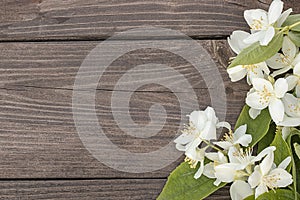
(297, 175)
(258, 127)
(181, 185)
(256, 53)
(267, 139)
(295, 37)
(297, 149)
(295, 137)
(292, 19)
(282, 149)
(279, 194)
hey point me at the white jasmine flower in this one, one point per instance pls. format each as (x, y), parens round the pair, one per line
(238, 137)
(239, 160)
(209, 169)
(194, 154)
(251, 71)
(262, 23)
(236, 41)
(292, 111)
(283, 62)
(267, 95)
(294, 80)
(239, 190)
(203, 125)
(266, 176)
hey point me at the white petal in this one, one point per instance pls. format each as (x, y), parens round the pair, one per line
(255, 178)
(276, 109)
(297, 69)
(297, 59)
(235, 41)
(211, 115)
(291, 105)
(281, 71)
(256, 73)
(209, 131)
(275, 11)
(180, 147)
(292, 81)
(209, 170)
(260, 190)
(244, 140)
(222, 158)
(284, 16)
(224, 124)
(266, 163)
(226, 172)
(284, 178)
(193, 152)
(298, 90)
(253, 100)
(200, 170)
(217, 182)
(236, 73)
(232, 154)
(212, 156)
(224, 144)
(256, 14)
(268, 36)
(254, 113)
(261, 84)
(263, 66)
(285, 132)
(263, 153)
(254, 37)
(276, 62)
(184, 139)
(198, 119)
(289, 49)
(285, 163)
(281, 87)
(241, 137)
(240, 190)
(240, 131)
(289, 122)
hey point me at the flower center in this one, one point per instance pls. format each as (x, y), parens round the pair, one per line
(294, 108)
(270, 181)
(250, 68)
(265, 95)
(190, 129)
(244, 157)
(284, 59)
(257, 24)
(229, 137)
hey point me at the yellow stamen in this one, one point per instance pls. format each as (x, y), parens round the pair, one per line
(250, 68)
(191, 162)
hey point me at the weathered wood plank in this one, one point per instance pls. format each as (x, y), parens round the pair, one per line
(130, 189)
(38, 136)
(99, 19)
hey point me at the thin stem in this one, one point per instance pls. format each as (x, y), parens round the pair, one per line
(296, 24)
(212, 146)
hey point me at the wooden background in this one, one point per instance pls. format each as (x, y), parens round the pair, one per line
(42, 45)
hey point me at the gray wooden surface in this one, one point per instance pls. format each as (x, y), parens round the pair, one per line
(44, 42)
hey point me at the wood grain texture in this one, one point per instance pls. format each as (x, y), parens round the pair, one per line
(38, 136)
(99, 19)
(121, 189)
